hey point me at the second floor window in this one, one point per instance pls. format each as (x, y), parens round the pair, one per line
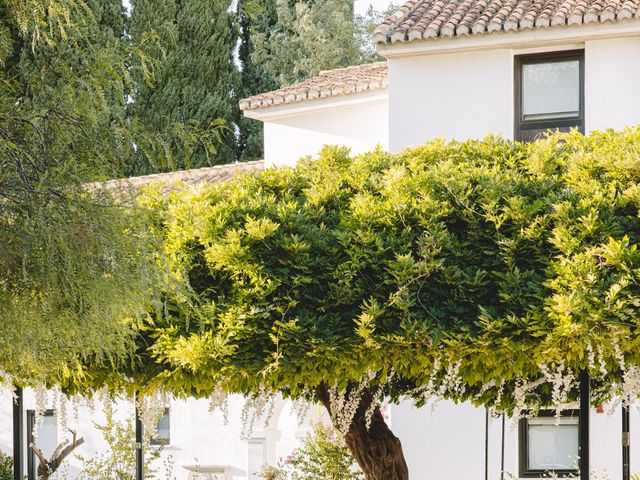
(549, 93)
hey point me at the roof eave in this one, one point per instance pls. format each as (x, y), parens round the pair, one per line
(275, 112)
(513, 39)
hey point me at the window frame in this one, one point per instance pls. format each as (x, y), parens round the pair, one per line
(520, 125)
(32, 472)
(158, 442)
(523, 446)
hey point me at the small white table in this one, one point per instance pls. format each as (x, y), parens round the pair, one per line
(208, 472)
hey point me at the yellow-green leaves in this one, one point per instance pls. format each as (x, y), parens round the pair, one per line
(463, 267)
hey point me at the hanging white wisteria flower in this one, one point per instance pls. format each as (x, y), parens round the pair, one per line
(257, 406)
(150, 409)
(219, 400)
(300, 408)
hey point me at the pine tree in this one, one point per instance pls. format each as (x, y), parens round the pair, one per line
(196, 82)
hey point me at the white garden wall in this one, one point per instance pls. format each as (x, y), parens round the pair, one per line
(198, 436)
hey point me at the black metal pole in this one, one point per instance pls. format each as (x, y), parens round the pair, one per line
(18, 435)
(502, 450)
(585, 405)
(139, 442)
(486, 444)
(626, 444)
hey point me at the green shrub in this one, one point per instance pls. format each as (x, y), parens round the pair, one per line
(323, 454)
(6, 467)
(118, 462)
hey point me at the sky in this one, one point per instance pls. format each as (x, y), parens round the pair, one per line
(363, 5)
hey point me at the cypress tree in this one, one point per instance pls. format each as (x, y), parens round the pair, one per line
(196, 82)
(256, 17)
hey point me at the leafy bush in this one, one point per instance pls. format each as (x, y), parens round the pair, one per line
(323, 454)
(6, 467)
(119, 461)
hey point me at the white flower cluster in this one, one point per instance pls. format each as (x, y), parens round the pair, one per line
(150, 408)
(344, 403)
(368, 416)
(300, 408)
(562, 381)
(629, 390)
(442, 383)
(258, 406)
(219, 400)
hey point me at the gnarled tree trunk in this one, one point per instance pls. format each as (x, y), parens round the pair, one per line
(377, 450)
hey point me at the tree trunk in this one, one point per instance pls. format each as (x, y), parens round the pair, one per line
(377, 450)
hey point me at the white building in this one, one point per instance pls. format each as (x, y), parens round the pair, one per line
(455, 69)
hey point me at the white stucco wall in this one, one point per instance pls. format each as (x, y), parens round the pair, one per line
(360, 127)
(456, 96)
(612, 83)
(198, 436)
(447, 442)
(470, 94)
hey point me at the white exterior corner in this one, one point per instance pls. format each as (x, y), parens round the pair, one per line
(291, 131)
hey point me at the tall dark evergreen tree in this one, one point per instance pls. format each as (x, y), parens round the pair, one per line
(196, 83)
(255, 16)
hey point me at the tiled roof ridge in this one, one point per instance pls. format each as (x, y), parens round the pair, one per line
(328, 83)
(171, 180)
(432, 19)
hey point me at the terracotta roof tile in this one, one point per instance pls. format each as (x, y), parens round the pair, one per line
(424, 19)
(330, 83)
(175, 181)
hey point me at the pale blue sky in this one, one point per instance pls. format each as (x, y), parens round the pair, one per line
(361, 5)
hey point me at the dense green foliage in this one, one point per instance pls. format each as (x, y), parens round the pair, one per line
(439, 263)
(322, 454)
(6, 467)
(74, 271)
(196, 81)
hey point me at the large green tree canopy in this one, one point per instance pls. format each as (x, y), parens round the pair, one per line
(485, 270)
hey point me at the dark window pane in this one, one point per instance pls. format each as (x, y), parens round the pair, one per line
(551, 90)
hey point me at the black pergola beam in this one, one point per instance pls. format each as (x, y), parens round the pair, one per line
(139, 441)
(626, 443)
(585, 405)
(18, 435)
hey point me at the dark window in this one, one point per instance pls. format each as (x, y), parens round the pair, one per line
(163, 436)
(46, 441)
(549, 445)
(549, 93)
